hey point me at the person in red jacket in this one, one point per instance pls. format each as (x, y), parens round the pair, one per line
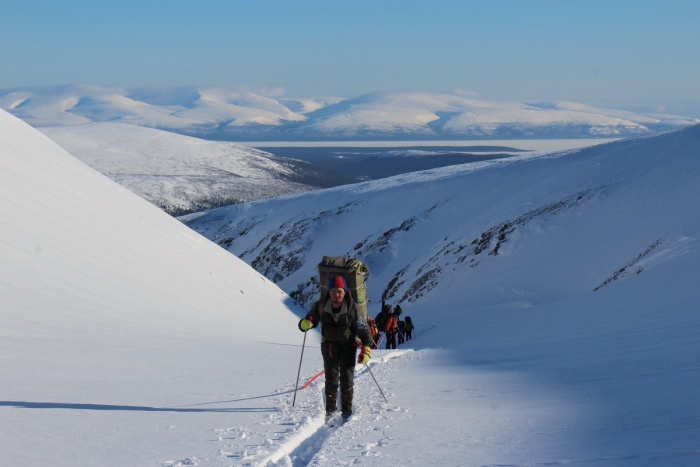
(391, 328)
(373, 331)
(341, 324)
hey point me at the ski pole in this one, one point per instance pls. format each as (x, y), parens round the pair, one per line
(375, 382)
(299, 371)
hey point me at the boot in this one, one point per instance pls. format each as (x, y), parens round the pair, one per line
(346, 403)
(331, 403)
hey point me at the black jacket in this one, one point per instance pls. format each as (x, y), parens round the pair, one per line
(341, 326)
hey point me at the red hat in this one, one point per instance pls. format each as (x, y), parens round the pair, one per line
(338, 282)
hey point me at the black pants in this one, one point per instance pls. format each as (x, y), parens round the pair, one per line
(390, 340)
(339, 360)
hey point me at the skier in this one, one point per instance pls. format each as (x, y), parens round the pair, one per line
(373, 331)
(380, 319)
(340, 326)
(390, 329)
(409, 328)
(401, 333)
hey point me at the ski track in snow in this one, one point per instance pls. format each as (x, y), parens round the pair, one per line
(304, 438)
(303, 447)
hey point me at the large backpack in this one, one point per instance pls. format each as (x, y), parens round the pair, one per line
(381, 318)
(392, 323)
(372, 327)
(354, 273)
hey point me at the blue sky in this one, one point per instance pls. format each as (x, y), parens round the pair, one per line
(634, 54)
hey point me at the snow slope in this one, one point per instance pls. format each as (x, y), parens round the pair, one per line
(179, 173)
(113, 311)
(128, 339)
(494, 217)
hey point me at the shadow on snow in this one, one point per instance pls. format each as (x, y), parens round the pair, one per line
(107, 407)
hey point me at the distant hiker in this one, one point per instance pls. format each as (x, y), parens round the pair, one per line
(380, 319)
(409, 328)
(340, 326)
(401, 329)
(374, 331)
(401, 333)
(391, 327)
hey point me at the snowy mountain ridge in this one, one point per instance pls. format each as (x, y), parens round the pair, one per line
(237, 114)
(532, 201)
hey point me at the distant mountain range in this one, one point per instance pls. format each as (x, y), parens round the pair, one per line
(231, 114)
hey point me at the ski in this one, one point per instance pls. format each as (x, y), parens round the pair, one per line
(336, 420)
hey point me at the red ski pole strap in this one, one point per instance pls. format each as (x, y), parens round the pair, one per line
(312, 379)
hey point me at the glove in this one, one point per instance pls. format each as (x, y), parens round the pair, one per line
(364, 355)
(305, 324)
